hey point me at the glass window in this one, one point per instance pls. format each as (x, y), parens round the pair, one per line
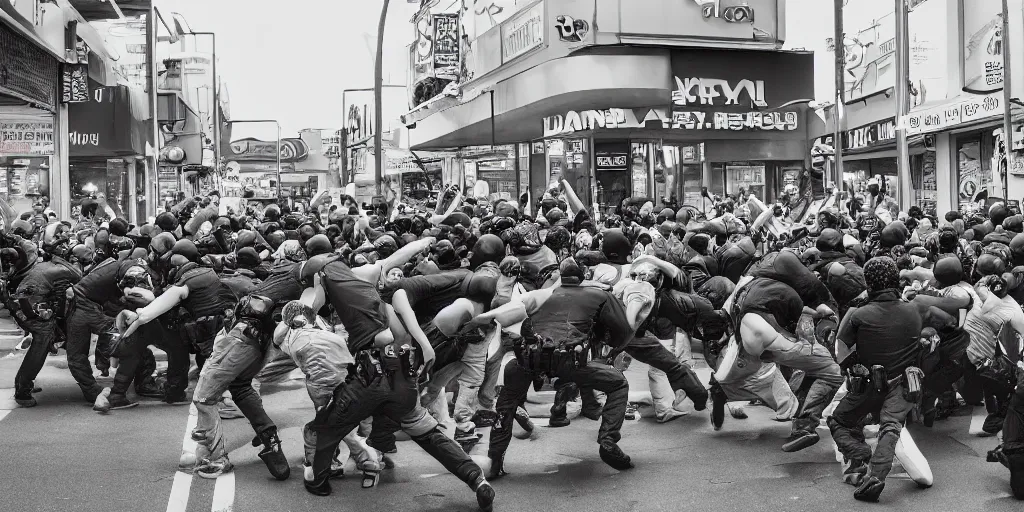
(973, 176)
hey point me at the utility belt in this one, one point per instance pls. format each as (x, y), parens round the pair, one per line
(373, 364)
(551, 357)
(199, 333)
(251, 329)
(860, 379)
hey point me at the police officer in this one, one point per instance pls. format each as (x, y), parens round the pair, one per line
(41, 298)
(558, 345)
(886, 332)
(384, 381)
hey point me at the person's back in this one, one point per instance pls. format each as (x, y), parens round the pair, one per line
(984, 322)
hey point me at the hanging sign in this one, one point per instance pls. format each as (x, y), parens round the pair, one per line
(74, 83)
(941, 117)
(446, 46)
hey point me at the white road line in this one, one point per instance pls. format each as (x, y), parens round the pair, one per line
(3, 414)
(224, 493)
(978, 421)
(178, 501)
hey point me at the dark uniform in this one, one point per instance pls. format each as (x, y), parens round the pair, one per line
(87, 317)
(41, 297)
(205, 307)
(559, 345)
(380, 382)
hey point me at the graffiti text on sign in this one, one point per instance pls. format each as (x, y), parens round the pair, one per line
(782, 121)
(611, 161)
(704, 91)
(731, 14)
(586, 120)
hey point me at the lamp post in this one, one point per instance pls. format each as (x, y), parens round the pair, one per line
(215, 116)
(278, 125)
(378, 84)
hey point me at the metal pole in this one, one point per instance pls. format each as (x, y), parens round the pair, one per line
(378, 101)
(278, 161)
(153, 162)
(1007, 96)
(216, 111)
(837, 115)
(904, 189)
(344, 140)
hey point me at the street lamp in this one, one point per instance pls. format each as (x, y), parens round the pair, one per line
(276, 123)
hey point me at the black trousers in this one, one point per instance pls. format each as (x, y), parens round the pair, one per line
(43, 334)
(848, 430)
(136, 361)
(87, 318)
(593, 376)
(397, 397)
(680, 375)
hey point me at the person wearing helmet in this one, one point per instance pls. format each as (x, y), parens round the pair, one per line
(197, 290)
(39, 300)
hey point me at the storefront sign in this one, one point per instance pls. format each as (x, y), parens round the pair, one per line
(74, 83)
(103, 125)
(522, 33)
(875, 134)
(292, 150)
(690, 91)
(619, 118)
(446, 46)
(26, 137)
(942, 117)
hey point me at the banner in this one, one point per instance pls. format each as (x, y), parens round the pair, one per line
(74, 83)
(26, 137)
(983, 47)
(446, 46)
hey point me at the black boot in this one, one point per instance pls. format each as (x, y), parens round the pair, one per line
(870, 490)
(694, 390)
(484, 492)
(612, 455)
(272, 454)
(718, 401)
(497, 467)
(1015, 461)
(319, 487)
(559, 413)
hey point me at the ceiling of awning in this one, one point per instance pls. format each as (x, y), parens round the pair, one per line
(93, 10)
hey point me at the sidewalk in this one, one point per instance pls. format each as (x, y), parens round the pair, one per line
(10, 333)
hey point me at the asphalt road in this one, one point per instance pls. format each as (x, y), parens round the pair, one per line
(62, 456)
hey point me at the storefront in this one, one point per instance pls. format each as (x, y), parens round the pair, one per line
(29, 125)
(616, 122)
(107, 140)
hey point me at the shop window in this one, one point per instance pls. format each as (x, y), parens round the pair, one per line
(740, 179)
(923, 175)
(683, 166)
(95, 179)
(569, 159)
(976, 181)
(612, 167)
(23, 180)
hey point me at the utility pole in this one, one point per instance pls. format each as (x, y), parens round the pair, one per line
(837, 113)
(378, 101)
(154, 126)
(902, 82)
(1007, 97)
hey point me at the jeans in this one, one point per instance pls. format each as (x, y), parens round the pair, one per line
(662, 393)
(43, 334)
(357, 446)
(596, 376)
(817, 363)
(233, 364)
(392, 395)
(470, 373)
(136, 362)
(86, 318)
(848, 432)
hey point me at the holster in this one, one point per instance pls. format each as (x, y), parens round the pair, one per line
(200, 332)
(857, 378)
(407, 360)
(912, 390)
(368, 368)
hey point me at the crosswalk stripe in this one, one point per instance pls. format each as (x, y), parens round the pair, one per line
(182, 486)
(224, 493)
(178, 501)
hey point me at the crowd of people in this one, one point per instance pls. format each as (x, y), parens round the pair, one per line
(848, 317)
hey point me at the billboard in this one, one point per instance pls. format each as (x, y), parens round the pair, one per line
(983, 47)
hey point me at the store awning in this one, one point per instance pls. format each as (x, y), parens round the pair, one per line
(93, 10)
(577, 82)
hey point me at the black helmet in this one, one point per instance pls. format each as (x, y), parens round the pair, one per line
(167, 221)
(318, 244)
(184, 248)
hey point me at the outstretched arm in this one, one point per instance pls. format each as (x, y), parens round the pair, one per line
(405, 313)
(164, 303)
(572, 200)
(436, 220)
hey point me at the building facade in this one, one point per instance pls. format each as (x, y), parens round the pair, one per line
(654, 98)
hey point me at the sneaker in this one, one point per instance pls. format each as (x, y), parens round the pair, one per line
(799, 440)
(737, 411)
(466, 436)
(672, 414)
(485, 496)
(631, 412)
(212, 469)
(102, 402)
(523, 419)
(150, 390)
(612, 455)
(870, 490)
(558, 422)
(993, 424)
(855, 471)
(116, 402)
(718, 401)
(24, 400)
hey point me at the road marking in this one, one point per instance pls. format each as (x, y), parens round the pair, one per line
(978, 421)
(224, 493)
(178, 501)
(3, 414)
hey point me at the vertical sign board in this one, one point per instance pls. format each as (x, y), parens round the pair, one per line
(446, 46)
(74, 83)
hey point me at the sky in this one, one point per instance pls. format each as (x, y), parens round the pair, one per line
(291, 60)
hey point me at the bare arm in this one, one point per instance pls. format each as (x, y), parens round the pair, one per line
(671, 271)
(406, 253)
(918, 274)
(405, 313)
(572, 200)
(164, 303)
(436, 220)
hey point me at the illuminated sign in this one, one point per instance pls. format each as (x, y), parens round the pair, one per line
(705, 91)
(620, 118)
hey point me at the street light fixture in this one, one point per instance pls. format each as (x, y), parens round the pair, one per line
(278, 124)
(216, 89)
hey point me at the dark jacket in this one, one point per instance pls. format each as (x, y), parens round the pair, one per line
(574, 314)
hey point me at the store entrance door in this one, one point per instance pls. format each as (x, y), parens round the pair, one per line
(611, 168)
